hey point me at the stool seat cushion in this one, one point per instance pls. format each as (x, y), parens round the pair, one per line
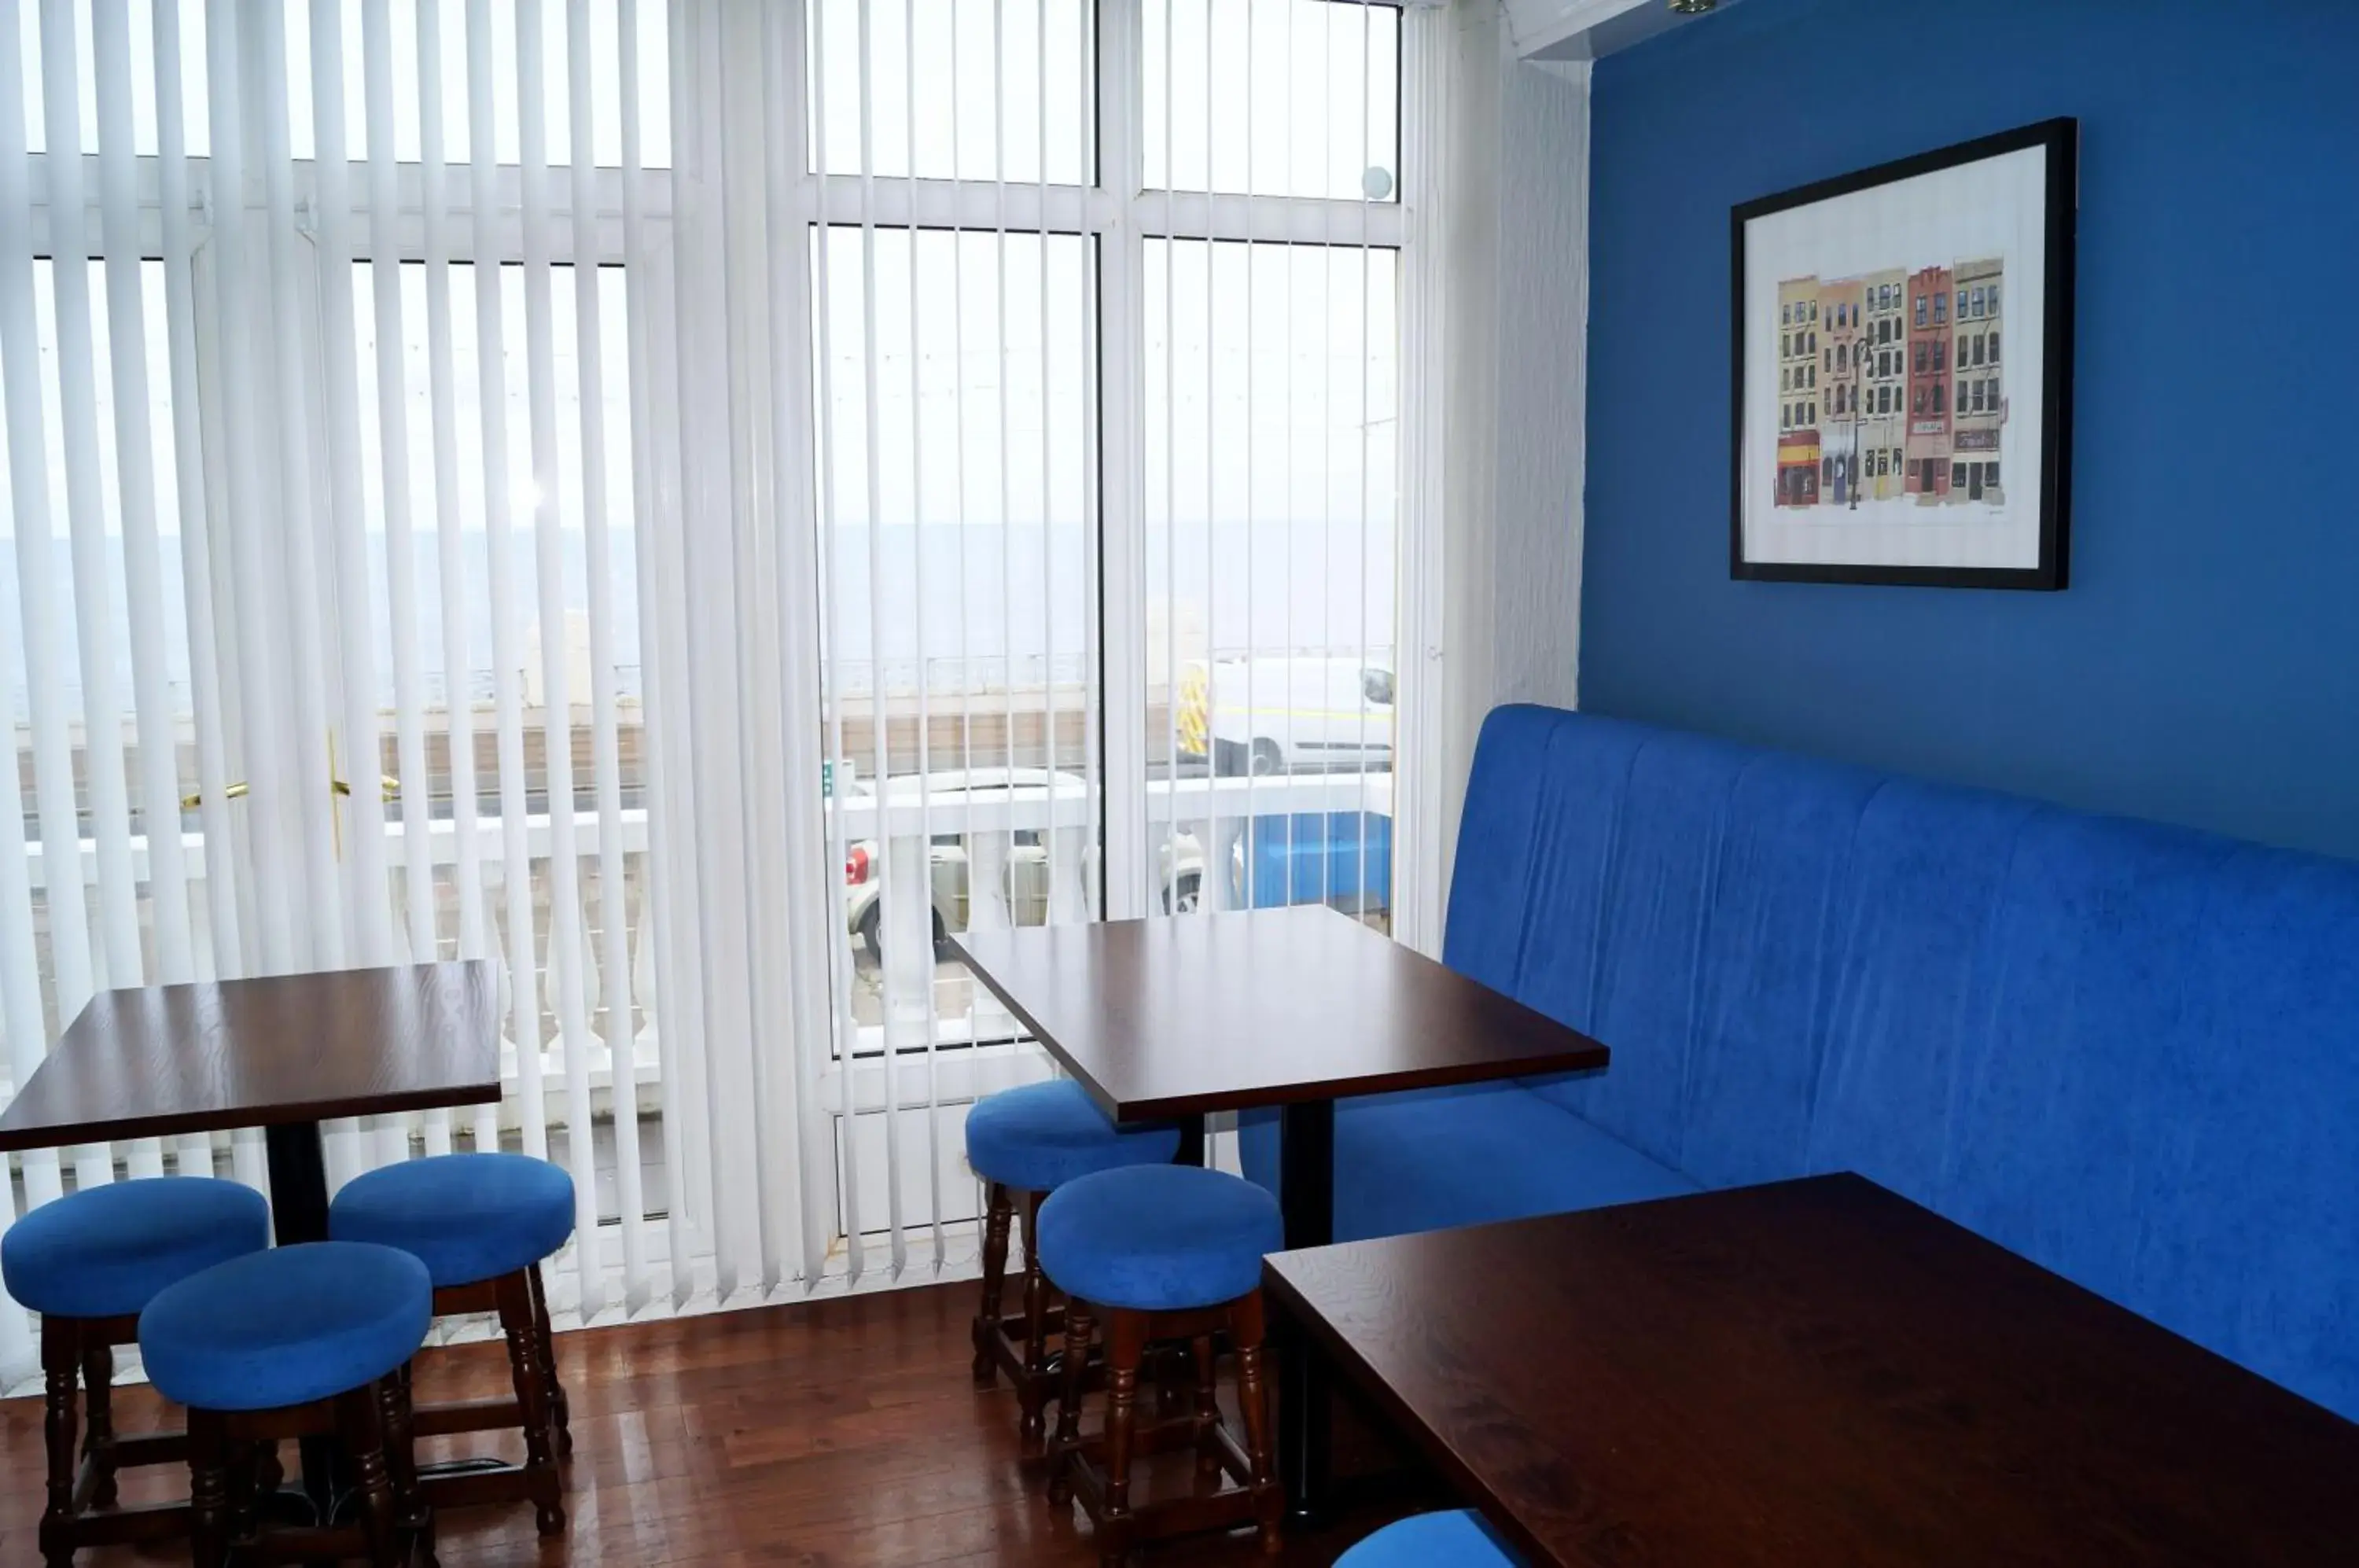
(466, 1216)
(286, 1326)
(1158, 1237)
(105, 1251)
(1454, 1540)
(1039, 1137)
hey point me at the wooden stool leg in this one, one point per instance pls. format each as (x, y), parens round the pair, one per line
(1208, 1405)
(98, 1401)
(1246, 1331)
(1001, 1210)
(415, 1520)
(558, 1410)
(360, 1425)
(61, 1366)
(1068, 1405)
(1035, 1392)
(245, 1490)
(209, 1500)
(1126, 1348)
(541, 1483)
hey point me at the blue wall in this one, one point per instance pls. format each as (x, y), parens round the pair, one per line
(2203, 666)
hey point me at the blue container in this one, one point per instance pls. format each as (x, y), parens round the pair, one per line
(1313, 857)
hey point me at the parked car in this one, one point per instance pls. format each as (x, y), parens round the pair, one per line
(1288, 714)
(1179, 873)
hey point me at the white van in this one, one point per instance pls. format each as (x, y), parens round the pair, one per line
(1276, 713)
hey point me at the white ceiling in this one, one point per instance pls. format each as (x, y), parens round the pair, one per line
(1585, 29)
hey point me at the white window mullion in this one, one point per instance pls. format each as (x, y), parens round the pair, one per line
(1121, 465)
(1421, 724)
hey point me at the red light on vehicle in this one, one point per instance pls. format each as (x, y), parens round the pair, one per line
(856, 868)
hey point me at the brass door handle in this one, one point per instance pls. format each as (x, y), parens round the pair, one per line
(388, 788)
(236, 792)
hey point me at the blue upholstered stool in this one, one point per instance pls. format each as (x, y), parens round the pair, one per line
(289, 1343)
(482, 1224)
(1028, 1142)
(1455, 1539)
(90, 1263)
(1162, 1252)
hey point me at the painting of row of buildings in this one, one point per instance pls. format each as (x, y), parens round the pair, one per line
(1888, 387)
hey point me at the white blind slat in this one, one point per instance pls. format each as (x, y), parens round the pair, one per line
(20, 975)
(823, 314)
(565, 943)
(451, 566)
(225, 956)
(605, 738)
(508, 656)
(658, 920)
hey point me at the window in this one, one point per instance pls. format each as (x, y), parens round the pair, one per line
(1917, 401)
(1786, 346)
(1978, 348)
(1990, 474)
(1920, 356)
(1957, 476)
(1994, 345)
(1962, 397)
(1994, 310)
(1786, 316)
(1813, 372)
(1940, 353)
(1284, 98)
(1942, 305)
(1978, 300)
(1920, 310)
(1941, 390)
(1810, 414)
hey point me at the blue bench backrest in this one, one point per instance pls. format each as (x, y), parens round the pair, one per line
(2129, 1053)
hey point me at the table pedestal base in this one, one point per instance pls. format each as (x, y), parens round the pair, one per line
(1305, 1415)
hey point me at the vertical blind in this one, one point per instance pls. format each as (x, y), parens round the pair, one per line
(691, 503)
(317, 332)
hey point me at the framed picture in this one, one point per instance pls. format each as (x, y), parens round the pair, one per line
(1903, 382)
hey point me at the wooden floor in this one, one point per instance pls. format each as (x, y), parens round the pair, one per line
(840, 1432)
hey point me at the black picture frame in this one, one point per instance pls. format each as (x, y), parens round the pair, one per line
(2060, 140)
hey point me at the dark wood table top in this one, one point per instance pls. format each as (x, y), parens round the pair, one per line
(1817, 1373)
(1166, 1017)
(289, 1047)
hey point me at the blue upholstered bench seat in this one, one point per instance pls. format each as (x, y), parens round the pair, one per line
(2128, 1052)
(1430, 1160)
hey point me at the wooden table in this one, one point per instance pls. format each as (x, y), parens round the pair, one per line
(283, 1054)
(1291, 1007)
(1816, 1373)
